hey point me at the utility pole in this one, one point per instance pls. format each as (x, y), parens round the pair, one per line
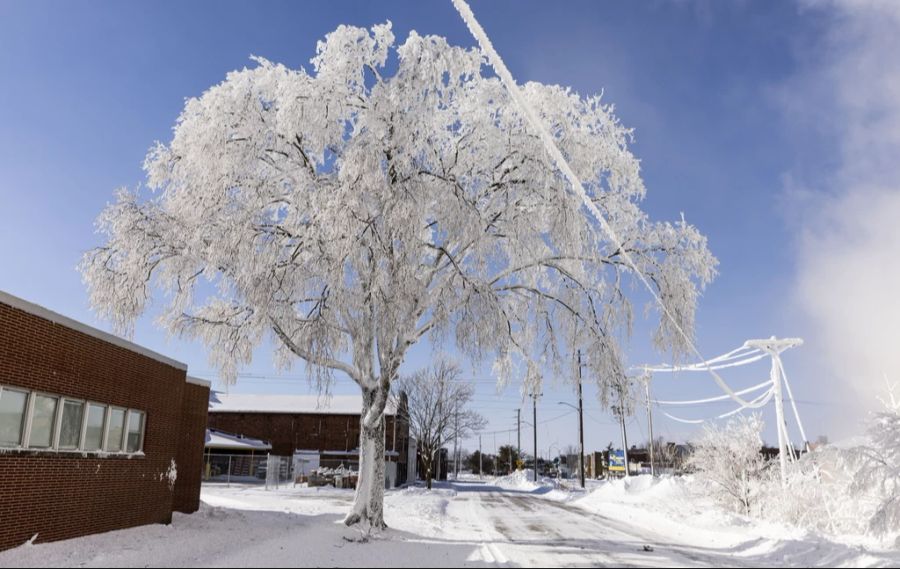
(773, 346)
(456, 449)
(534, 418)
(519, 434)
(480, 459)
(650, 422)
(622, 424)
(580, 423)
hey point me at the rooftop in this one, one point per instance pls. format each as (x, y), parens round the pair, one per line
(220, 402)
(216, 439)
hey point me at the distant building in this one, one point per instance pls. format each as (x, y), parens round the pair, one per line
(228, 454)
(323, 430)
(595, 465)
(96, 433)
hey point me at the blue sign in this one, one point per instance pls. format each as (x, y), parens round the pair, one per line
(617, 461)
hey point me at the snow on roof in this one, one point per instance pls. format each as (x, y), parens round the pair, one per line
(220, 402)
(223, 440)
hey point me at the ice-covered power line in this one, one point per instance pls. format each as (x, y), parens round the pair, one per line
(771, 348)
(553, 150)
(713, 399)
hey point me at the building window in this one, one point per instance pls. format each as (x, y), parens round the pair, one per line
(12, 416)
(70, 422)
(42, 421)
(96, 423)
(43, 415)
(135, 438)
(116, 430)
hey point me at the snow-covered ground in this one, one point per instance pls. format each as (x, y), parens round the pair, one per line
(503, 521)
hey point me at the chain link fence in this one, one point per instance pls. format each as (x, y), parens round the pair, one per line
(271, 470)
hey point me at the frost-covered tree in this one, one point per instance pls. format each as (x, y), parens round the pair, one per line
(347, 212)
(729, 460)
(438, 405)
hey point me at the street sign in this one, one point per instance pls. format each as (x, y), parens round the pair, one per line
(617, 461)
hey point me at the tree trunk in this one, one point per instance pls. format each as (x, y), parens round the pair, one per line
(368, 503)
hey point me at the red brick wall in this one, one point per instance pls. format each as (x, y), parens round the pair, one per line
(64, 495)
(194, 404)
(290, 432)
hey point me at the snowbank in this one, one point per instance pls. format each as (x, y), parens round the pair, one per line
(519, 480)
(679, 508)
(523, 481)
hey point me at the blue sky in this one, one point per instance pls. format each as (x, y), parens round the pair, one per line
(88, 86)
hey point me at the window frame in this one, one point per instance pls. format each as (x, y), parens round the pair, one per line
(59, 417)
(84, 426)
(27, 425)
(109, 412)
(26, 443)
(143, 428)
(24, 418)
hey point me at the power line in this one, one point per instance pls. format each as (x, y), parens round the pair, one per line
(553, 150)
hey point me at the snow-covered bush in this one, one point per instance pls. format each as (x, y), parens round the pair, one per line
(844, 490)
(729, 461)
(814, 495)
(878, 473)
(835, 489)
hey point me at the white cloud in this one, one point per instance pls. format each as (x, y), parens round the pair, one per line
(848, 282)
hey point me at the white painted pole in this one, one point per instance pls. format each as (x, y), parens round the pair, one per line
(650, 424)
(790, 395)
(779, 418)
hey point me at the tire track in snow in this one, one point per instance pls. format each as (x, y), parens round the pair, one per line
(530, 530)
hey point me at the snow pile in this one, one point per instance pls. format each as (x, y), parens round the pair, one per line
(665, 503)
(419, 510)
(681, 509)
(638, 489)
(522, 480)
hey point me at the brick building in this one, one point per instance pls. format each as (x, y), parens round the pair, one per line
(310, 425)
(96, 433)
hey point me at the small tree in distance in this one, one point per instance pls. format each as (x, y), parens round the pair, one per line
(480, 463)
(438, 406)
(507, 459)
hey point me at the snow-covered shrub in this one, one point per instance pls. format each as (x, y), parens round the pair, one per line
(879, 466)
(729, 461)
(844, 490)
(815, 494)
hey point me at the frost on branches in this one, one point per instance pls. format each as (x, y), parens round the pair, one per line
(879, 466)
(346, 214)
(730, 460)
(438, 402)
